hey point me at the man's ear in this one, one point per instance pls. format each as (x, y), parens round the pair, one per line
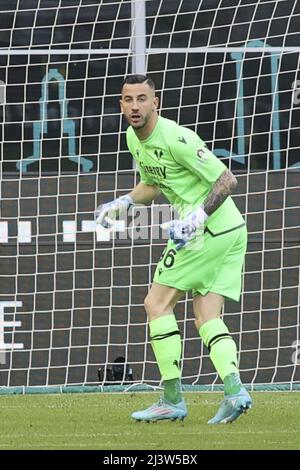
(156, 102)
(121, 105)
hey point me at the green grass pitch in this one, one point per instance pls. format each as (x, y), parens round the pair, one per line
(102, 421)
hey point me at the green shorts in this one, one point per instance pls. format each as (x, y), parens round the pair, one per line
(215, 267)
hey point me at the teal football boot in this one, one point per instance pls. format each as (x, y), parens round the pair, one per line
(162, 410)
(232, 407)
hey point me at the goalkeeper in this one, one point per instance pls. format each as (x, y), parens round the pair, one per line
(205, 251)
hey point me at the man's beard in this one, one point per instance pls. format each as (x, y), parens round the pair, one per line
(144, 122)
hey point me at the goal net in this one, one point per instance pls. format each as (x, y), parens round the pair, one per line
(71, 295)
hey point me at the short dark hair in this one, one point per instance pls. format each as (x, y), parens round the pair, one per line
(138, 78)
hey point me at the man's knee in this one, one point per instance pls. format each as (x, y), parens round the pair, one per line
(207, 308)
(155, 308)
(148, 303)
(198, 323)
(152, 307)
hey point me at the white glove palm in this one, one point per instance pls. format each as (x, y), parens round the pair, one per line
(182, 231)
(106, 213)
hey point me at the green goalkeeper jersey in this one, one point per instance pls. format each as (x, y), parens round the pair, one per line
(176, 160)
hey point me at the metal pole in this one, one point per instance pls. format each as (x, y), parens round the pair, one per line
(138, 36)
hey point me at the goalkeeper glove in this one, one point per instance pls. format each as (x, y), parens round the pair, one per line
(182, 231)
(105, 213)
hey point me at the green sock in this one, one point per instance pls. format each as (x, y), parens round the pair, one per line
(232, 384)
(172, 391)
(221, 347)
(166, 345)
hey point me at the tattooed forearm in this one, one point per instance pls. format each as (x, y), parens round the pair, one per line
(220, 191)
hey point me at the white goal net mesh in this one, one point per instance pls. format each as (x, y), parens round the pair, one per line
(71, 300)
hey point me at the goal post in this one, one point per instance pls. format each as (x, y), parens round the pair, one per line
(71, 294)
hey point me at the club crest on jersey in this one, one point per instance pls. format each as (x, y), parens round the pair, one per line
(158, 154)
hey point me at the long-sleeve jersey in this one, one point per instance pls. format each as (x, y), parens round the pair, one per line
(175, 159)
